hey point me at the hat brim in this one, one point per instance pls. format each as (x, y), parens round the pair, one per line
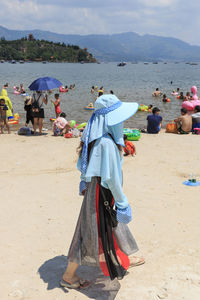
(122, 113)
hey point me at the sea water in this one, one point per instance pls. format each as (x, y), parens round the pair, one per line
(133, 82)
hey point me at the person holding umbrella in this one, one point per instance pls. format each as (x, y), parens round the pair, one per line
(38, 111)
(39, 85)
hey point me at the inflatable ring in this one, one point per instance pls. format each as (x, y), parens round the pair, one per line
(13, 122)
(132, 134)
(82, 125)
(88, 108)
(72, 123)
(143, 107)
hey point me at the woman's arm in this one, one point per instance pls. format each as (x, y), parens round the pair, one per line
(45, 99)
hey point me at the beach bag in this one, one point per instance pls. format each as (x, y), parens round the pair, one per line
(112, 212)
(196, 131)
(171, 128)
(24, 131)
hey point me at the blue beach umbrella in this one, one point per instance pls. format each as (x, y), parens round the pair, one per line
(45, 84)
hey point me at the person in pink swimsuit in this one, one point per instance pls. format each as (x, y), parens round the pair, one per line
(57, 105)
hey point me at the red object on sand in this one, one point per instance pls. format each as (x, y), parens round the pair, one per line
(68, 135)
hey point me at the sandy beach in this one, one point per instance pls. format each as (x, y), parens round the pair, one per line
(40, 205)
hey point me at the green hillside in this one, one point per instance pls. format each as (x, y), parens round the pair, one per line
(41, 50)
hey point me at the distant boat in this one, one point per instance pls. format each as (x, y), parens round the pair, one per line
(21, 61)
(155, 62)
(13, 61)
(121, 64)
(165, 63)
(44, 62)
(146, 63)
(193, 64)
(2, 61)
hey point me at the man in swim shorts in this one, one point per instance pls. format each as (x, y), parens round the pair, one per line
(184, 122)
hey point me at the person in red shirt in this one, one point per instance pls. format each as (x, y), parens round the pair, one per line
(129, 148)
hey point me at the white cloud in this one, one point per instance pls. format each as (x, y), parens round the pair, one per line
(157, 3)
(176, 18)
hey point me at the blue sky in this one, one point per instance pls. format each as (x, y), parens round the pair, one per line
(172, 18)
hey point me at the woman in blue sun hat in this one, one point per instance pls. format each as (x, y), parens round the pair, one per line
(102, 237)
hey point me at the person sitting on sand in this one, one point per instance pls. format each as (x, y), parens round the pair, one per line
(184, 122)
(60, 125)
(196, 117)
(154, 121)
(3, 118)
(129, 148)
(157, 93)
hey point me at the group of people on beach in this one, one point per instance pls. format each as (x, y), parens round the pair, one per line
(184, 124)
(101, 238)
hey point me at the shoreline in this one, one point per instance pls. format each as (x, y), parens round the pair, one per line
(40, 205)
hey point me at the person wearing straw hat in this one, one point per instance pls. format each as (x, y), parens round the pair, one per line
(102, 237)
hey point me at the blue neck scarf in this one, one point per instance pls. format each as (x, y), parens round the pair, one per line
(98, 112)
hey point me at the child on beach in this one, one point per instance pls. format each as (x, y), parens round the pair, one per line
(129, 148)
(57, 104)
(61, 126)
(3, 118)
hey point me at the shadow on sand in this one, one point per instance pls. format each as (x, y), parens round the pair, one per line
(102, 288)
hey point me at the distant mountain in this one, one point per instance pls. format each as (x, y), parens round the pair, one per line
(118, 47)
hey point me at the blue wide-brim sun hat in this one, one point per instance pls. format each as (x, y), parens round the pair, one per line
(119, 115)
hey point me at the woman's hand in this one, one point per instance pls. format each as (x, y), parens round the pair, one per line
(124, 215)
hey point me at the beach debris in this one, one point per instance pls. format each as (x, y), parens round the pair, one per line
(162, 294)
(17, 293)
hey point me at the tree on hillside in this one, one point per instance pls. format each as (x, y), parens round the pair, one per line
(31, 37)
